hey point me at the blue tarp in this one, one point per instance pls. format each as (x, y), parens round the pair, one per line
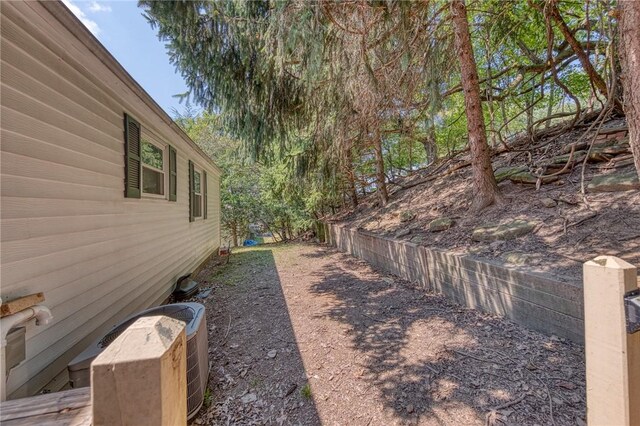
(250, 243)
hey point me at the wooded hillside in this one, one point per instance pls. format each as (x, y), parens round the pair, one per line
(333, 101)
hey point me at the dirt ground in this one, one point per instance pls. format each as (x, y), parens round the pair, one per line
(304, 335)
(575, 230)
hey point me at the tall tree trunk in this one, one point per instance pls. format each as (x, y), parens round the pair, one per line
(630, 61)
(596, 79)
(351, 180)
(484, 182)
(352, 190)
(289, 229)
(381, 185)
(429, 142)
(528, 104)
(234, 234)
(550, 106)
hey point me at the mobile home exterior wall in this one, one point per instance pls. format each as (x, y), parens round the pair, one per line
(67, 228)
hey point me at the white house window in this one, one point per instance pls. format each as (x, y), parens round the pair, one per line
(153, 174)
(197, 193)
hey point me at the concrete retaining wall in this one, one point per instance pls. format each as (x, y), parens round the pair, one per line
(533, 300)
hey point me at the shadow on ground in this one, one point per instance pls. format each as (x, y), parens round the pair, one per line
(431, 361)
(257, 374)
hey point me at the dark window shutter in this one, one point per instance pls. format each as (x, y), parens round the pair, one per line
(204, 194)
(191, 192)
(132, 163)
(173, 174)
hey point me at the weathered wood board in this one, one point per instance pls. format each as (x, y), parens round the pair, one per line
(68, 408)
(16, 305)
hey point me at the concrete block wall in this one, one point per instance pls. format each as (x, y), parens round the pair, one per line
(536, 301)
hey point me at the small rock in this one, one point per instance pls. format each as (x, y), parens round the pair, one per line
(291, 388)
(272, 353)
(614, 182)
(517, 258)
(502, 173)
(249, 398)
(506, 231)
(418, 239)
(566, 385)
(402, 233)
(548, 202)
(198, 421)
(410, 408)
(440, 224)
(496, 245)
(407, 216)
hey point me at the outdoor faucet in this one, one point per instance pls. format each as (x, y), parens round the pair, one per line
(42, 314)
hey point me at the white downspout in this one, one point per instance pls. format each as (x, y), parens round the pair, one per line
(43, 316)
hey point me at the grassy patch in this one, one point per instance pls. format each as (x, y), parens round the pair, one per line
(208, 397)
(243, 261)
(306, 391)
(246, 263)
(256, 383)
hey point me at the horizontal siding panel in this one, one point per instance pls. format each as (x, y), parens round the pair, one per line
(86, 285)
(19, 165)
(39, 111)
(96, 271)
(24, 83)
(60, 253)
(19, 207)
(33, 248)
(34, 42)
(84, 262)
(76, 248)
(21, 123)
(66, 84)
(20, 186)
(26, 146)
(23, 228)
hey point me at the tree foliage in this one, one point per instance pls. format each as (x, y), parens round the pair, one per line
(336, 100)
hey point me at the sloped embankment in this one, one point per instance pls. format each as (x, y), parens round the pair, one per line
(546, 225)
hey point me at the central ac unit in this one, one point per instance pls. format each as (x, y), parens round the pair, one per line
(193, 314)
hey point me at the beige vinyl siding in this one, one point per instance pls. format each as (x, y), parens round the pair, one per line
(66, 228)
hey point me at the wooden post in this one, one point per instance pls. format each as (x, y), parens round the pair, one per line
(612, 355)
(141, 378)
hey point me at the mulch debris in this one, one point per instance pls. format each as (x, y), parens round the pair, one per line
(303, 335)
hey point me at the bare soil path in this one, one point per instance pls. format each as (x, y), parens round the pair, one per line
(302, 334)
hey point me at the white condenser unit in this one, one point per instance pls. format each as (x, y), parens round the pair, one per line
(193, 315)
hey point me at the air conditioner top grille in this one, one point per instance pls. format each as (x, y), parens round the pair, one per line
(179, 312)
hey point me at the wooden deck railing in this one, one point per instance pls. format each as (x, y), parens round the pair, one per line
(140, 379)
(612, 353)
